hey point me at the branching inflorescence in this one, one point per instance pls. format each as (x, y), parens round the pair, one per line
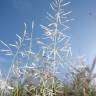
(55, 43)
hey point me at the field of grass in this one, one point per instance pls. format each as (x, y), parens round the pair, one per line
(36, 74)
(79, 85)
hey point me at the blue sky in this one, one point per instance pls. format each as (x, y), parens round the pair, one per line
(13, 14)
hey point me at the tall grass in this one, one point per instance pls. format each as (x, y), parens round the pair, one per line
(36, 74)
